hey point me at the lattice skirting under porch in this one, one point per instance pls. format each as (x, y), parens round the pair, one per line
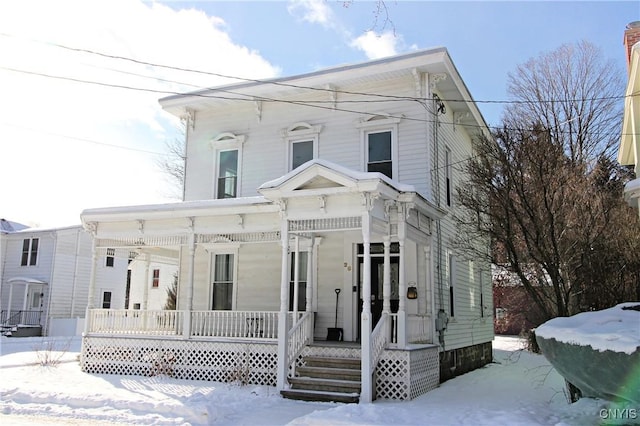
(401, 374)
(252, 363)
(407, 374)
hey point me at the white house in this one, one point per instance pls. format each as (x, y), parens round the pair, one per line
(150, 277)
(44, 276)
(315, 241)
(629, 151)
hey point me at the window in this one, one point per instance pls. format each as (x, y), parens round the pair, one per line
(301, 152)
(222, 297)
(29, 251)
(106, 300)
(302, 140)
(447, 163)
(481, 295)
(379, 144)
(379, 157)
(111, 253)
(452, 281)
(136, 306)
(227, 148)
(302, 281)
(156, 278)
(227, 174)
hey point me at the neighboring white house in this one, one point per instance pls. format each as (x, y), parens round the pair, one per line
(629, 152)
(316, 232)
(151, 276)
(44, 276)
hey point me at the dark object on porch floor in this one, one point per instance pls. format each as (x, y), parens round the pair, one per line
(335, 333)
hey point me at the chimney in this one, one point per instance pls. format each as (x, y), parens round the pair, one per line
(631, 37)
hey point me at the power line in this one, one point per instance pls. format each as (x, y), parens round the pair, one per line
(280, 83)
(250, 98)
(110, 145)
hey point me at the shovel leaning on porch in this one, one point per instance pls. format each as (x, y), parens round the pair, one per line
(335, 333)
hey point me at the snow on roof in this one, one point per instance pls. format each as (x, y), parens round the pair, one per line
(357, 176)
(615, 329)
(178, 205)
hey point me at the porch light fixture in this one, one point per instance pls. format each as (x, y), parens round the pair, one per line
(412, 291)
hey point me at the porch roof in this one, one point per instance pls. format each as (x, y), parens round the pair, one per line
(179, 209)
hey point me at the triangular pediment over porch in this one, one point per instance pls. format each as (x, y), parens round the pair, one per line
(320, 176)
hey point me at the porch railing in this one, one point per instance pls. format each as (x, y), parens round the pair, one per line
(235, 324)
(127, 321)
(380, 338)
(299, 336)
(20, 317)
(226, 324)
(419, 328)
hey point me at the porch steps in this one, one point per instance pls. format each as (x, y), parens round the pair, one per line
(326, 379)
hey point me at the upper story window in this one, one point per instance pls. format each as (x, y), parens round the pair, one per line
(302, 143)
(228, 163)
(29, 251)
(227, 174)
(380, 144)
(379, 153)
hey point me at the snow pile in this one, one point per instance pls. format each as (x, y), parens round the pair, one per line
(518, 388)
(615, 329)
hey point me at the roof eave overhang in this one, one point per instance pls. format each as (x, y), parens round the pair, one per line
(178, 210)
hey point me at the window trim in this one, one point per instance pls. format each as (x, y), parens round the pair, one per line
(379, 123)
(301, 132)
(32, 257)
(226, 141)
(223, 249)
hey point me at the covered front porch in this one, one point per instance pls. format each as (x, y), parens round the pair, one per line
(259, 280)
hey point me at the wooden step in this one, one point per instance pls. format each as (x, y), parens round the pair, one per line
(337, 362)
(330, 385)
(329, 373)
(324, 396)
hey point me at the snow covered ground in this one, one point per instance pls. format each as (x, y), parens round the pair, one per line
(518, 388)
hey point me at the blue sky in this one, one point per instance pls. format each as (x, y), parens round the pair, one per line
(70, 145)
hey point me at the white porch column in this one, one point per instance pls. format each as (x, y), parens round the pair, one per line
(24, 299)
(10, 300)
(365, 319)
(283, 317)
(296, 279)
(91, 298)
(402, 284)
(386, 284)
(145, 290)
(186, 327)
(309, 288)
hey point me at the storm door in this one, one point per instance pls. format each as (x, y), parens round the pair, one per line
(377, 280)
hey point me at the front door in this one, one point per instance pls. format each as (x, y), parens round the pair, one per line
(377, 280)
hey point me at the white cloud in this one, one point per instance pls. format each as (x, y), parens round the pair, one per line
(313, 11)
(48, 179)
(377, 46)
